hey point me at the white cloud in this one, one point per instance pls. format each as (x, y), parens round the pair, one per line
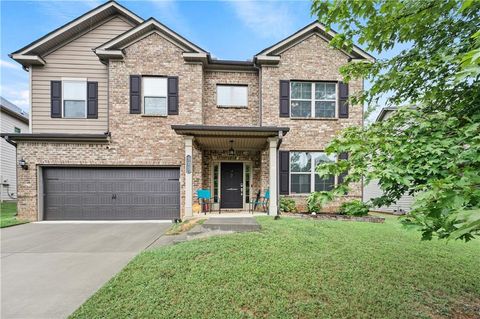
(169, 14)
(266, 18)
(9, 65)
(18, 95)
(65, 11)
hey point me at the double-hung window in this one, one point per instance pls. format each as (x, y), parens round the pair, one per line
(155, 96)
(74, 98)
(313, 99)
(303, 178)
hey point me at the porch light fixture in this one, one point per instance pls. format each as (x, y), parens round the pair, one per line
(23, 164)
(231, 151)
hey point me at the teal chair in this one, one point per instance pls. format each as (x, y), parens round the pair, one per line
(262, 201)
(205, 200)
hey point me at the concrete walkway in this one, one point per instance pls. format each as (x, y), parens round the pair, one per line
(48, 270)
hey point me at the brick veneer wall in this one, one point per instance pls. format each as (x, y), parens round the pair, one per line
(149, 141)
(313, 60)
(213, 115)
(136, 140)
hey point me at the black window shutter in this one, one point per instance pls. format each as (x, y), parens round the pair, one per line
(173, 95)
(284, 98)
(92, 100)
(284, 171)
(341, 177)
(343, 100)
(56, 98)
(135, 94)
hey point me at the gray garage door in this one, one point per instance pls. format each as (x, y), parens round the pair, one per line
(111, 193)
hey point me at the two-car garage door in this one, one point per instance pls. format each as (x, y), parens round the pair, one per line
(108, 193)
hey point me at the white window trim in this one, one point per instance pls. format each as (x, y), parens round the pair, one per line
(312, 100)
(63, 96)
(143, 96)
(230, 106)
(312, 173)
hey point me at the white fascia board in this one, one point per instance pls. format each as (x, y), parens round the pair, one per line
(109, 54)
(28, 59)
(77, 22)
(195, 57)
(157, 26)
(267, 59)
(309, 29)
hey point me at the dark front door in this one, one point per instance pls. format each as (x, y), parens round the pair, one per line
(232, 182)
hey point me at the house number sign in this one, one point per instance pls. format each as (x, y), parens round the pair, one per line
(189, 164)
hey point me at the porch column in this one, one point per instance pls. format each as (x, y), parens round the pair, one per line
(272, 176)
(188, 176)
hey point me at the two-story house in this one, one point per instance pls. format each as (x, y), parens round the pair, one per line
(129, 119)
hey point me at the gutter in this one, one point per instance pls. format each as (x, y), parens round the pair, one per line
(9, 141)
(55, 137)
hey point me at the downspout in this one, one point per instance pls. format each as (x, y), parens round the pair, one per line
(9, 141)
(280, 139)
(260, 102)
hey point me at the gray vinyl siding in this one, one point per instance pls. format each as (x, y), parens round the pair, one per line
(74, 60)
(8, 155)
(372, 190)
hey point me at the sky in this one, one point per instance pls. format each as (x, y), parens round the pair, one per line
(227, 29)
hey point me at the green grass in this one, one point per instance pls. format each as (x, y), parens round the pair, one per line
(7, 217)
(298, 269)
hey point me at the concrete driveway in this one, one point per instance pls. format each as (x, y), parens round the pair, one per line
(48, 270)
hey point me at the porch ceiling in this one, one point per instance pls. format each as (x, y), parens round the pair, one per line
(220, 137)
(223, 143)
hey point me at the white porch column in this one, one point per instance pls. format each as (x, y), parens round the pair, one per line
(272, 176)
(188, 176)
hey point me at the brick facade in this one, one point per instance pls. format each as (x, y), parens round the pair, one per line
(311, 59)
(214, 115)
(138, 140)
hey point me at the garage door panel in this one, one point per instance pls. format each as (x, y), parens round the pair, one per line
(111, 193)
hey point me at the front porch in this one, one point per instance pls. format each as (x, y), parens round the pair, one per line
(235, 164)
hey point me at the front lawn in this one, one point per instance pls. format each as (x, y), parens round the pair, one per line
(8, 215)
(298, 269)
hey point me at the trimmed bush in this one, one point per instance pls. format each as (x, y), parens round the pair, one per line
(354, 208)
(288, 205)
(317, 200)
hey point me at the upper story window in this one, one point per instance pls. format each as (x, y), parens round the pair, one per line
(303, 178)
(155, 96)
(313, 99)
(17, 130)
(74, 98)
(232, 95)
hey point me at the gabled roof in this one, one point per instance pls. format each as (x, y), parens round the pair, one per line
(31, 54)
(151, 25)
(13, 110)
(313, 28)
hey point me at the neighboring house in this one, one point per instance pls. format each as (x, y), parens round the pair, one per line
(372, 190)
(129, 119)
(12, 120)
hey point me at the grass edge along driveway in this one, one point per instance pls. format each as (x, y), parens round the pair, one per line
(298, 268)
(8, 215)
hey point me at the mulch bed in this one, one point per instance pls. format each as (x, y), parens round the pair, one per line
(326, 216)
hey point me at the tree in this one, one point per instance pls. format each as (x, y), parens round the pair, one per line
(433, 149)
